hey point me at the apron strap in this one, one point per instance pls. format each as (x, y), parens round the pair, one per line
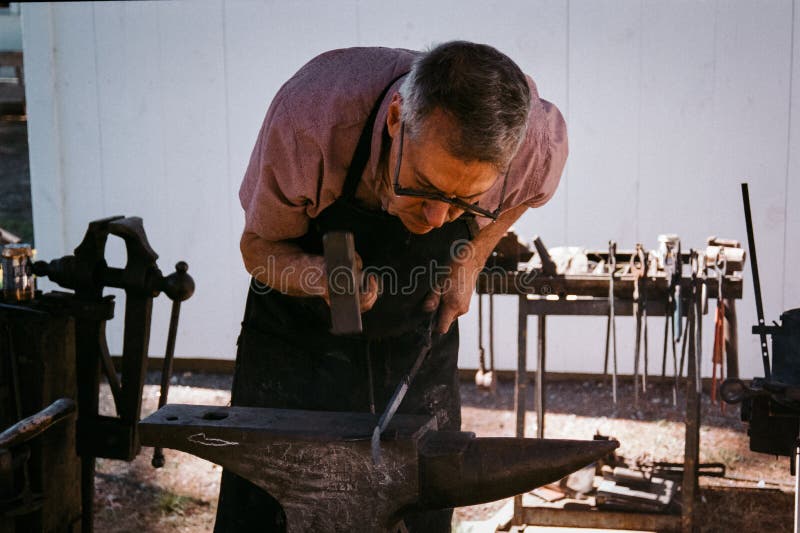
(361, 155)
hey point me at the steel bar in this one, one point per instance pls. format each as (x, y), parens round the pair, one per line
(751, 243)
(590, 285)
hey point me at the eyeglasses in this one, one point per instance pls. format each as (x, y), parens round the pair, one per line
(473, 209)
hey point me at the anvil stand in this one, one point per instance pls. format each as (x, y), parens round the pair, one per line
(543, 295)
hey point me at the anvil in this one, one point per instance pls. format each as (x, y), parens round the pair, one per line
(319, 465)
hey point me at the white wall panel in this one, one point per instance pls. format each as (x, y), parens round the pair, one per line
(751, 109)
(44, 140)
(152, 109)
(791, 270)
(79, 120)
(265, 43)
(605, 102)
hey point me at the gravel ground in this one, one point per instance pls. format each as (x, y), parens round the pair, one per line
(133, 497)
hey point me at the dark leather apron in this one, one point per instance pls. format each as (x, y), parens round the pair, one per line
(288, 359)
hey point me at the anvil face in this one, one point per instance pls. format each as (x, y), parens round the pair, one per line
(319, 466)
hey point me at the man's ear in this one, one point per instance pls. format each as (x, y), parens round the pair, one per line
(393, 119)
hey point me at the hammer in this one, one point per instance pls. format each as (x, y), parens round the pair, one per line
(343, 287)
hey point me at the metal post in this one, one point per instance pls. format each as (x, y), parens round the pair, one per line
(692, 436)
(521, 383)
(522, 370)
(540, 372)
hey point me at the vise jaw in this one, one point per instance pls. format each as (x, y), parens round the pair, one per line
(319, 466)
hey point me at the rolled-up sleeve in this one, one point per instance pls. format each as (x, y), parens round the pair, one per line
(548, 175)
(279, 187)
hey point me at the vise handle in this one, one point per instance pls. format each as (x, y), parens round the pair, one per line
(36, 424)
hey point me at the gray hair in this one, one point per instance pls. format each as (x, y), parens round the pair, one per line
(480, 88)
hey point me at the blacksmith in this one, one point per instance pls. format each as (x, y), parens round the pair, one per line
(427, 158)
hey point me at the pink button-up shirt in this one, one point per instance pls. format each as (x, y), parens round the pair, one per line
(309, 134)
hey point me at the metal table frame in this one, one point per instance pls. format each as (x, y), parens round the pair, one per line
(588, 303)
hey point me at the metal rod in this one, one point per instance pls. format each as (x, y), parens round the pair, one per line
(521, 385)
(692, 435)
(751, 243)
(166, 372)
(491, 333)
(540, 375)
(522, 364)
(481, 352)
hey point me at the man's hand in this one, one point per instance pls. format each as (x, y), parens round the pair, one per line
(285, 267)
(368, 290)
(453, 294)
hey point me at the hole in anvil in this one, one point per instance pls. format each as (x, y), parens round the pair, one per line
(172, 418)
(215, 415)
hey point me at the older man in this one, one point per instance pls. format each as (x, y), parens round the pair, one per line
(427, 158)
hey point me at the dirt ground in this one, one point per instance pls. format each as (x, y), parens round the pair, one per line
(756, 493)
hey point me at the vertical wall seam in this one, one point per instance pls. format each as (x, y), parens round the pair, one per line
(161, 114)
(638, 207)
(99, 113)
(358, 23)
(231, 184)
(569, 119)
(788, 161)
(59, 149)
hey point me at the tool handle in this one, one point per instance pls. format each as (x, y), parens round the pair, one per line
(169, 355)
(751, 243)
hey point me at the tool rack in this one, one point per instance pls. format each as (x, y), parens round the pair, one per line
(587, 295)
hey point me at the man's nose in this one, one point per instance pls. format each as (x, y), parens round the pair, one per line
(435, 213)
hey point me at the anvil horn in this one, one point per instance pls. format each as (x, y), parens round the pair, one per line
(319, 466)
(457, 469)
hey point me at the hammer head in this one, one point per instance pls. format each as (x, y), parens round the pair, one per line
(343, 282)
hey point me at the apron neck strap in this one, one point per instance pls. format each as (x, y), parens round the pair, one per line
(362, 153)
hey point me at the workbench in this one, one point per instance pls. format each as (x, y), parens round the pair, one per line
(588, 295)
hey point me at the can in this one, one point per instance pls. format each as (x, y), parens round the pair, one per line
(19, 283)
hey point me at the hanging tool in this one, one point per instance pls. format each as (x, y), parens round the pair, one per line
(670, 335)
(638, 268)
(492, 379)
(400, 393)
(675, 286)
(698, 280)
(718, 354)
(611, 325)
(484, 379)
(184, 289)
